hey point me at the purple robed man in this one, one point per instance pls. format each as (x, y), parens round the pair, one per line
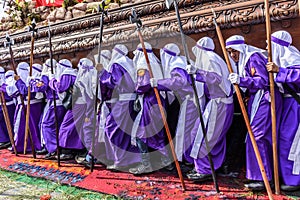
(176, 79)
(251, 75)
(211, 69)
(86, 87)
(148, 129)
(119, 86)
(48, 129)
(286, 63)
(36, 109)
(102, 149)
(4, 138)
(68, 133)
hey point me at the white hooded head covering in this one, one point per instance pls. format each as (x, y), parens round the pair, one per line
(139, 60)
(105, 58)
(86, 78)
(170, 59)
(237, 43)
(2, 75)
(23, 71)
(64, 67)
(36, 76)
(119, 56)
(10, 83)
(36, 71)
(47, 66)
(283, 53)
(208, 60)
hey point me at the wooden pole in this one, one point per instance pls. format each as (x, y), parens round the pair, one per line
(7, 122)
(29, 96)
(245, 115)
(203, 126)
(9, 42)
(137, 21)
(273, 101)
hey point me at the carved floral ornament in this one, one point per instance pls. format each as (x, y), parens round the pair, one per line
(82, 34)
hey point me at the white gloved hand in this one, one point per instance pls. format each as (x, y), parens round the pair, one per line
(234, 78)
(153, 82)
(191, 69)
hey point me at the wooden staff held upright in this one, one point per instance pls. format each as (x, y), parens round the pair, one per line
(33, 31)
(244, 112)
(185, 48)
(9, 42)
(134, 19)
(7, 121)
(272, 93)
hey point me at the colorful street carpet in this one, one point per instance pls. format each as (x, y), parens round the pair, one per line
(158, 185)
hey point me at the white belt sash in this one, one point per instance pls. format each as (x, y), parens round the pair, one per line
(180, 130)
(127, 97)
(294, 154)
(103, 114)
(137, 121)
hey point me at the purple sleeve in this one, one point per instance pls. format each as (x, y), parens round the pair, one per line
(114, 77)
(45, 81)
(3, 88)
(66, 81)
(177, 80)
(143, 83)
(288, 75)
(33, 87)
(256, 73)
(23, 89)
(208, 77)
(103, 85)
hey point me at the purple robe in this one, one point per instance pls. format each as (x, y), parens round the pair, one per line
(102, 149)
(121, 117)
(180, 83)
(257, 80)
(151, 128)
(36, 109)
(73, 119)
(48, 129)
(290, 119)
(216, 133)
(11, 107)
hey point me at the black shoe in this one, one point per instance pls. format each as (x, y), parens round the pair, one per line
(41, 152)
(170, 167)
(225, 172)
(199, 177)
(193, 171)
(4, 145)
(255, 186)
(80, 159)
(114, 167)
(141, 169)
(258, 186)
(65, 156)
(50, 156)
(289, 188)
